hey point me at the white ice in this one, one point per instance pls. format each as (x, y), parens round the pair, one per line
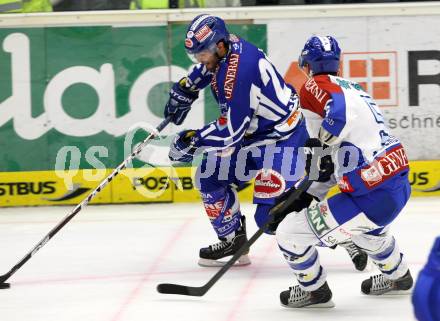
(105, 264)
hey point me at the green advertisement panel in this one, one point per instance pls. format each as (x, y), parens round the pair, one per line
(74, 92)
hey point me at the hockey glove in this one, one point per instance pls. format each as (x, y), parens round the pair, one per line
(184, 146)
(319, 164)
(180, 101)
(303, 201)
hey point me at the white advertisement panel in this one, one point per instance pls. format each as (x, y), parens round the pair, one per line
(396, 59)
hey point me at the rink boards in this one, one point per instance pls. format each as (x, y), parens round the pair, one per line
(145, 185)
(84, 109)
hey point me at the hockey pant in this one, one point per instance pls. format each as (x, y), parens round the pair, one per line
(364, 219)
(275, 167)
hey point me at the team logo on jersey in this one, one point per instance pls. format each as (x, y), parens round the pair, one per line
(269, 183)
(190, 34)
(231, 74)
(393, 162)
(203, 33)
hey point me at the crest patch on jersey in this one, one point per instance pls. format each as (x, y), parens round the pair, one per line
(269, 183)
(202, 34)
(231, 75)
(393, 162)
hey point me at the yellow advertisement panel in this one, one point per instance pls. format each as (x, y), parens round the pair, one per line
(149, 185)
(143, 185)
(424, 177)
(51, 188)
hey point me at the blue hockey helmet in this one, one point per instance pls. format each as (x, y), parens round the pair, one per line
(204, 32)
(321, 54)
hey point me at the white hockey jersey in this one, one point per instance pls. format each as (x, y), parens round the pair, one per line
(341, 113)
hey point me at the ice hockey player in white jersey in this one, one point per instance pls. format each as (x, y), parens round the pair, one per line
(259, 124)
(371, 169)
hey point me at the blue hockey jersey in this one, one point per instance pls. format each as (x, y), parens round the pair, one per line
(256, 106)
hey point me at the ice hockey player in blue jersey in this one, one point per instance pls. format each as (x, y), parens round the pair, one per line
(257, 134)
(259, 118)
(371, 170)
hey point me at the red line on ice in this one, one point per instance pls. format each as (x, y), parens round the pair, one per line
(166, 249)
(251, 282)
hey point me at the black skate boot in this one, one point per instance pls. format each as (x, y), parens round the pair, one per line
(210, 256)
(378, 285)
(358, 257)
(296, 297)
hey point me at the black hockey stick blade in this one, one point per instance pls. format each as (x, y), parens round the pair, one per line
(4, 277)
(168, 288)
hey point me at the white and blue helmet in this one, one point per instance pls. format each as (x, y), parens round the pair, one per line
(204, 32)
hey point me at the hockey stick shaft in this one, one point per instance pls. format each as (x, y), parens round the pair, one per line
(168, 288)
(85, 201)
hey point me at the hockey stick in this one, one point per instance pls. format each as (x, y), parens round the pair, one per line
(167, 288)
(83, 203)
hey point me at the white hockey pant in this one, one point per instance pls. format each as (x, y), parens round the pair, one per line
(299, 233)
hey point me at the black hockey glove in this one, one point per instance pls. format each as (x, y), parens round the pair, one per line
(180, 101)
(303, 201)
(319, 164)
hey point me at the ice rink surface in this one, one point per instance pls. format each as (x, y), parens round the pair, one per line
(105, 265)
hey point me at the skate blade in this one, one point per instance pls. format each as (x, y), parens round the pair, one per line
(398, 292)
(390, 293)
(243, 260)
(328, 304)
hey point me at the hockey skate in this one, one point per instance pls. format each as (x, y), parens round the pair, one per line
(296, 297)
(358, 257)
(378, 285)
(228, 246)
